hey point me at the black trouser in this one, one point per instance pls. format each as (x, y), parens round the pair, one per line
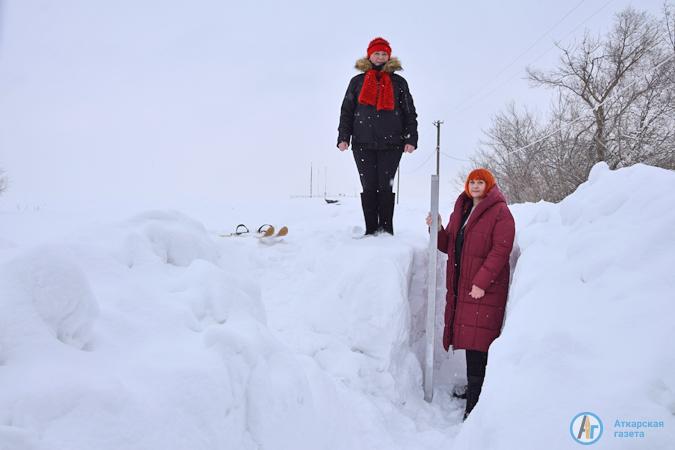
(475, 374)
(377, 168)
(475, 363)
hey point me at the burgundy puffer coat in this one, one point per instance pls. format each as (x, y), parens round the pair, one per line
(474, 324)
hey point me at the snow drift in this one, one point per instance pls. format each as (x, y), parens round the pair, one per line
(156, 332)
(589, 318)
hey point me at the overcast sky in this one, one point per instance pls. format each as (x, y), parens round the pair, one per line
(161, 103)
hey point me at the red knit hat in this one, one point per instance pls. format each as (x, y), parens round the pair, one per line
(379, 45)
(480, 174)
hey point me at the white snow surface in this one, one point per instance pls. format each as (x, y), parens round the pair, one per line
(156, 332)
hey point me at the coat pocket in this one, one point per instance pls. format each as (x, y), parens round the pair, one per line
(490, 317)
(495, 295)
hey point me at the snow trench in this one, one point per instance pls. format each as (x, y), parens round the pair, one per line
(166, 335)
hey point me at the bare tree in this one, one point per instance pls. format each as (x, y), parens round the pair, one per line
(615, 102)
(518, 171)
(537, 161)
(595, 70)
(669, 23)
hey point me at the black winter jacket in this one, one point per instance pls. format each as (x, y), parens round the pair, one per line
(366, 127)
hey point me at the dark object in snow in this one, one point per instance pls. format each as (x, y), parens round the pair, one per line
(460, 392)
(265, 231)
(269, 238)
(241, 229)
(331, 202)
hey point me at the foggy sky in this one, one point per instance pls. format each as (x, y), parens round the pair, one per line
(161, 103)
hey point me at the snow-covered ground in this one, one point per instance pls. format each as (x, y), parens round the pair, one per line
(154, 332)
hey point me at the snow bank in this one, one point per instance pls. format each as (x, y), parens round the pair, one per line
(155, 332)
(140, 297)
(172, 237)
(46, 297)
(589, 318)
(199, 342)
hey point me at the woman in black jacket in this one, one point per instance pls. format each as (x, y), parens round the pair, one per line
(378, 117)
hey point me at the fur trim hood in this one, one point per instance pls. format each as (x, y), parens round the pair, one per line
(391, 66)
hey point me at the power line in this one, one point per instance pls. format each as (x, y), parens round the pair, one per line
(454, 157)
(421, 165)
(513, 61)
(500, 85)
(426, 161)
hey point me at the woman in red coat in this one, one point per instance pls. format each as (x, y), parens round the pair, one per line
(478, 241)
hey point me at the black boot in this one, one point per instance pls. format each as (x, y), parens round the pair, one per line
(369, 205)
(459, 392)
(385, 211)
(473, 390)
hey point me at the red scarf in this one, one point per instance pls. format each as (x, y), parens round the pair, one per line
(382, 98)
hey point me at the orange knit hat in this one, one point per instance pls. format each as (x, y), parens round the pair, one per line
(480, 174)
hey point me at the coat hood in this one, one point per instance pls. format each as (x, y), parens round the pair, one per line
(391, 66)
(493, 197)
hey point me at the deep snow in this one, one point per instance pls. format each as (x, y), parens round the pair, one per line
(154, 332)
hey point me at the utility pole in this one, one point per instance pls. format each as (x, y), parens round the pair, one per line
(431, 276)
(437, 124)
